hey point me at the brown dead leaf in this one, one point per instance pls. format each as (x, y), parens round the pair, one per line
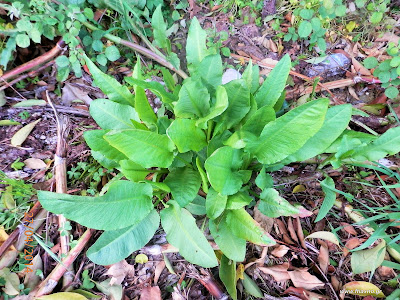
(291, 229)
(359, 68)
(280, 251)
(323, 256)
(265, 222)
(20, 136)
(35, 163)
(284, 232)
(119, 271)
(279, 272)
(150, 293)
(71, 92)
(299, 231)
(352, 92)
(11, 254)
(304, 294)
(389, 37)
(335, 283)
(351, 244)
(386, 273)
(301, 278)
(303, 213)
(348, 228)
(157, 272)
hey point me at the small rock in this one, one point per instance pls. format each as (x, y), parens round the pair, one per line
(229, 75)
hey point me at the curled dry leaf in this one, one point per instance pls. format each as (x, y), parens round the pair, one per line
(280, 251)
(31, 280)
(21, 135)
(351, 244)
(150, 292)
(324, 235)
(359, 68)
(304, 294)
(323, 257)
(348, 228)
(35, 163)
(119, 271)
(389, 37)
(301, 278)
(362, 288)
(160, 266)
(279, 272)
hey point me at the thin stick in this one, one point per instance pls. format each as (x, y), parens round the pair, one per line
(142, 50)
(47, 285)
(61, 181)
(34, 62)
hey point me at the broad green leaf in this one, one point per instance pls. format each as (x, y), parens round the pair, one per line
(63, 296)
(223, 170)
(336, 121)
(220, 105)
(186, 136)
(146, 148)
(251, 76)
(22, 40)
(239, 104)
(210, 69)
(96, 142)
(154, 86)
(183, 233)
(304, 29)
(112, 115)
(159, 28)
(168, 79)
(274, 85)
(215, 204)
(288, 133)
(231, 245)
(227, 274)
(251, 286)
(245, 227)
(197, 206)
(142, 105)
(330, 196)
(116, 245)
(124, 204)
(112, 53)
(184, 184)
(256, 123)
(194, 100)
(273, 205)
(110, 86)
(387, 144)
(132, 170)
(364, 138)
(238, 200)
(264, 180)
(368, 260)
(104, 161)
(196, 48)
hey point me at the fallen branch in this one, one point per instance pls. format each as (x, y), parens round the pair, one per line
(33, 63)
(142, 50)
(47, 285)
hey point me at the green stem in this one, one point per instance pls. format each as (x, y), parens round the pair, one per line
(142, 50)
(210, 126)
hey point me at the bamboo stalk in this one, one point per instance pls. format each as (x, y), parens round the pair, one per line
(47, 285)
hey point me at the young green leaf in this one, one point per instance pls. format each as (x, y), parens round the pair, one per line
(183, 233)
(223, 170)
(330, 196)
(133, 171)
(154, 86)
(210, 69)
(186, 136)
(124, 204)
(111, 87)
(197, 206)
(194, 100)
(196, 48)
(251, 76)
(231, 245)
(159, 28)
(112, 53)
(112, 115)
(274, 85)
(238, 200)
(288, 133)
(215, 204)
(116, 245)
(184, 184)
(251, 287)
(145, 148)
(227, 274)
(245, 227)
(96, 142)
(142, 105)
(273, 205)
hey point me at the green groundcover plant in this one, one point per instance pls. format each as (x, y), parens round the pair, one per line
(219, 139)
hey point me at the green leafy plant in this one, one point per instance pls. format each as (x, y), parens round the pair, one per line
(388, 70)
(201, 155)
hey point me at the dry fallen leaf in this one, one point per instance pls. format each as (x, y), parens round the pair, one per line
(265, 222)
(119, 271)
(348, 228)
(279, 272)
(351, 244)
(21, 135)
(280, 251)
(389, 37)
(71, 92)
(324, 235)
(303, 279)
(362, 288)
(157, 272)
(11, 254)
(323, 257)
(359, 68)
(35, 163)
(304, 294)
(150, 293)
